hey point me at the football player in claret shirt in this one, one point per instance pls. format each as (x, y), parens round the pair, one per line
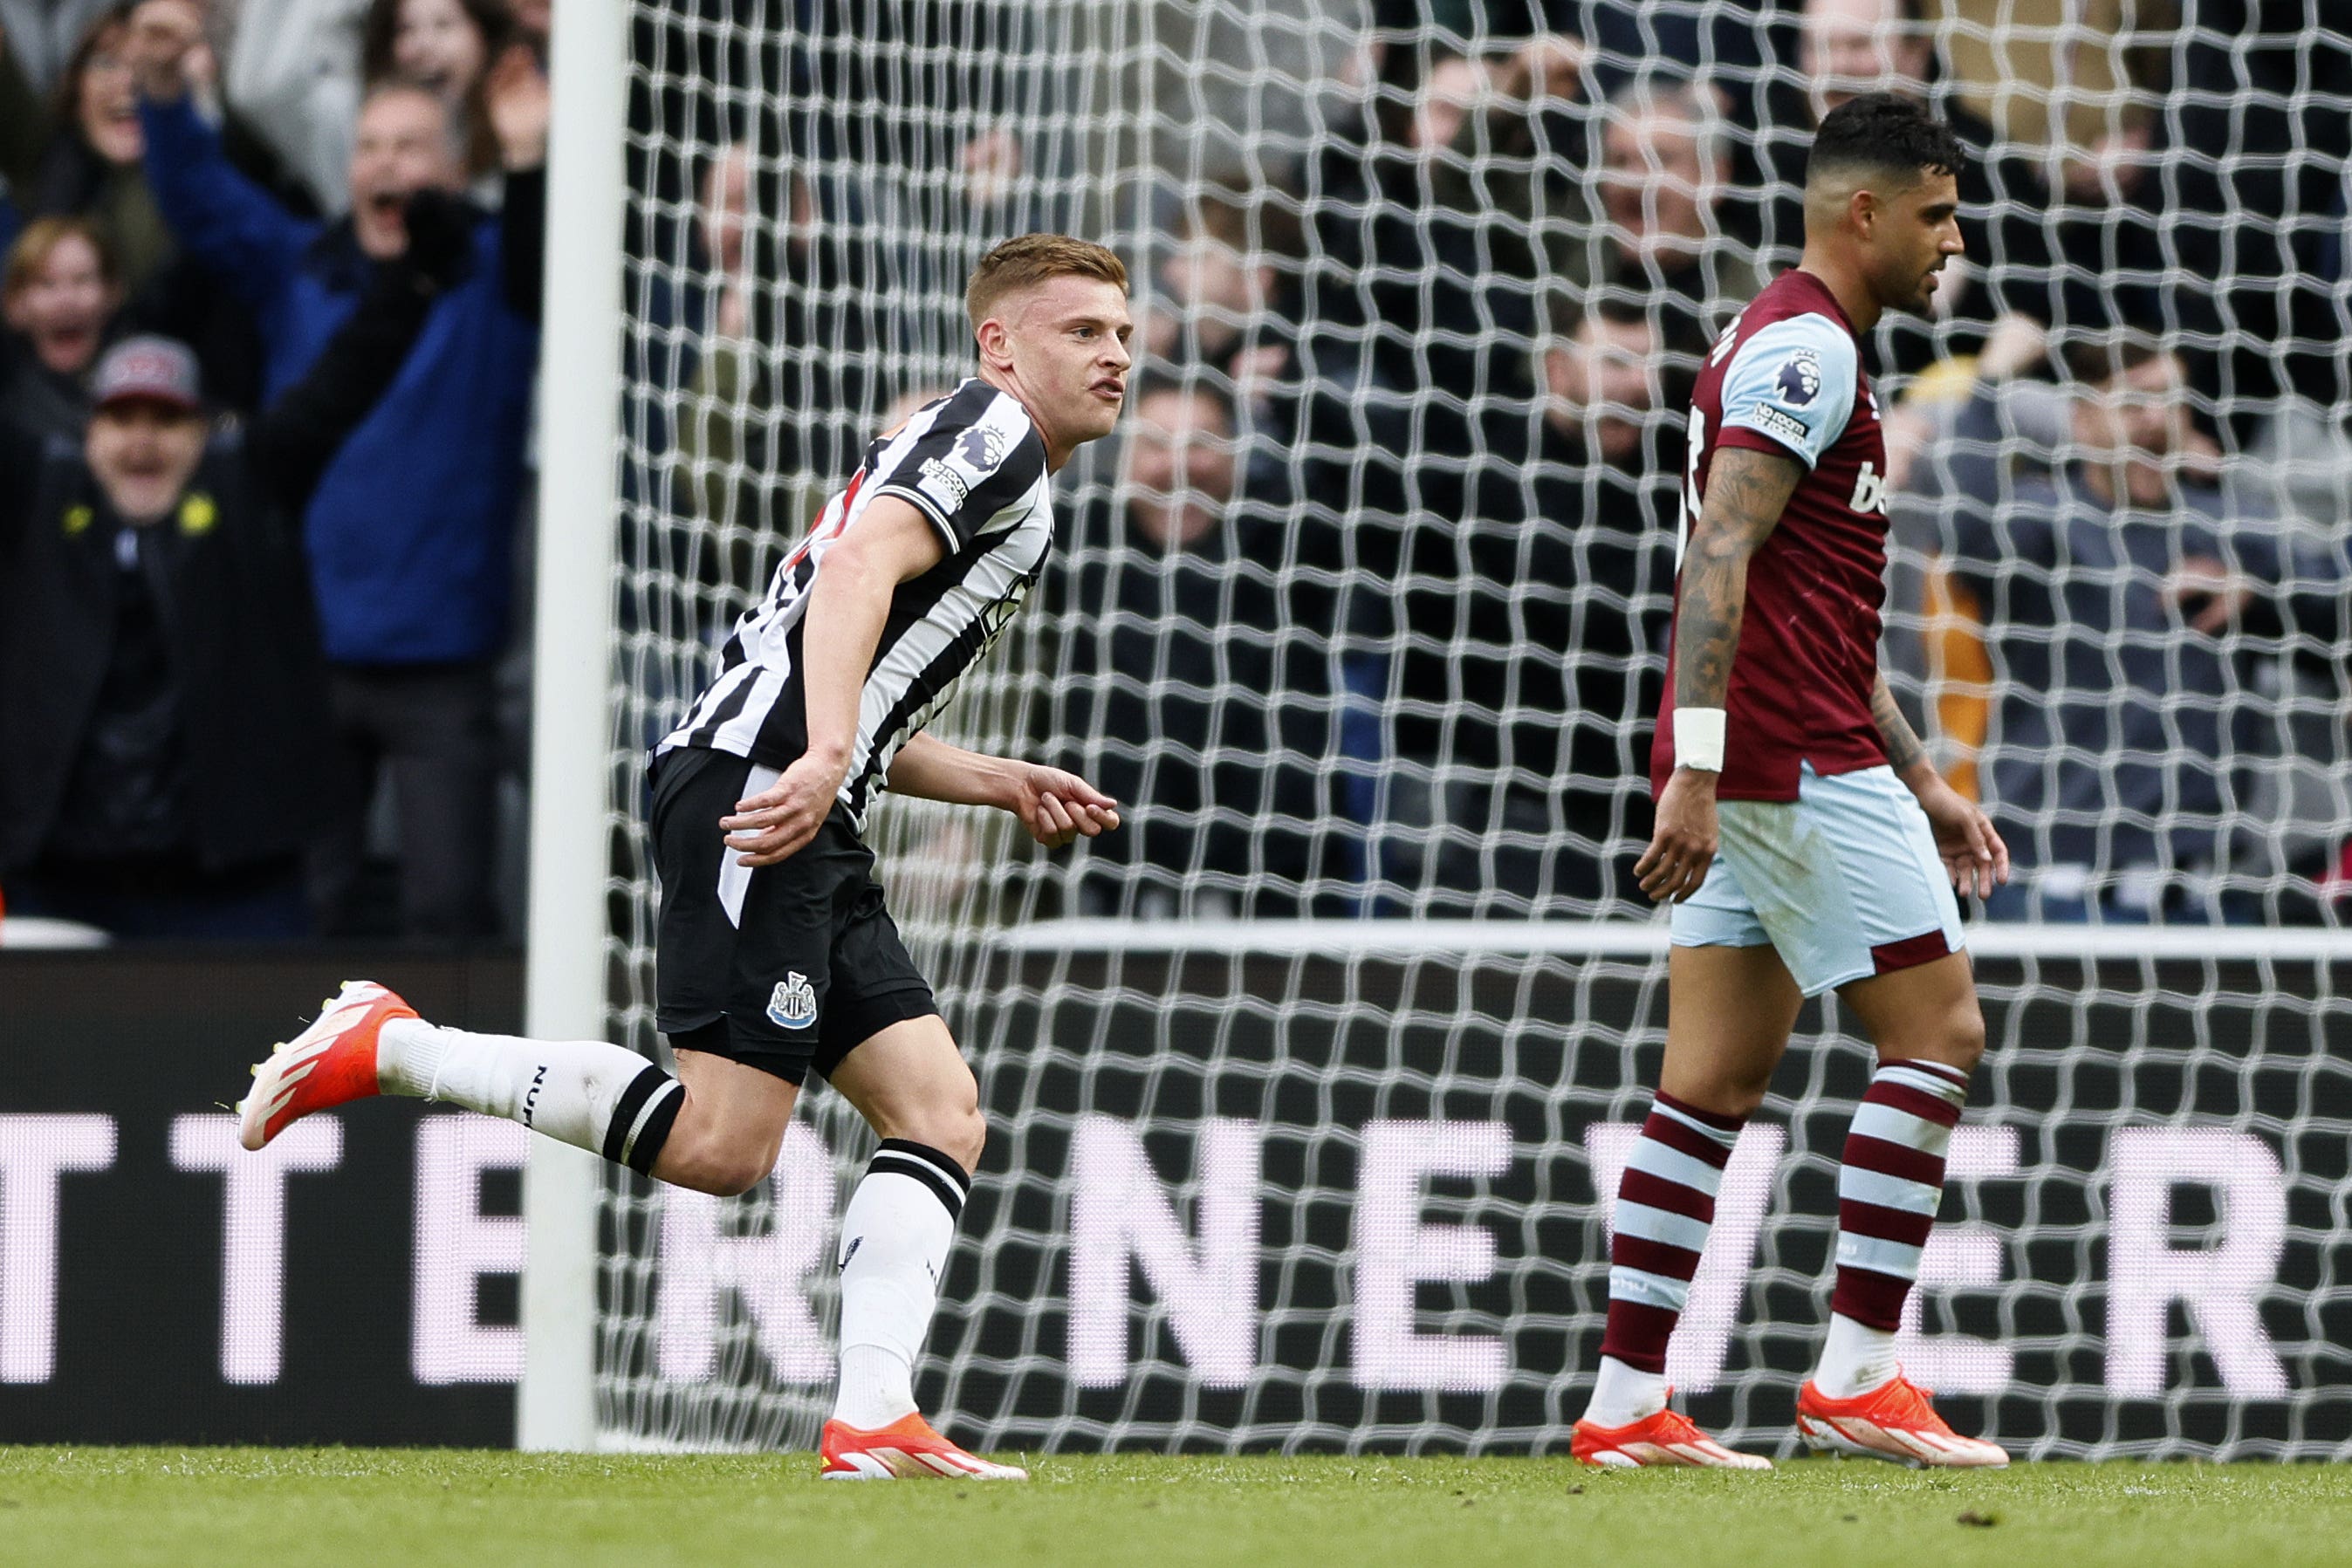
(777, 954)
(1804, 840)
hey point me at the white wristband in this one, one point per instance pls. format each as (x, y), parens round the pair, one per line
(1698, 739)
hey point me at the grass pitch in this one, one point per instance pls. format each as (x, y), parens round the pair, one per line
(274, 1508)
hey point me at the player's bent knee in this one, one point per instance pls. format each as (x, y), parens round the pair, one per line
(957, 1131)
(721, 1169)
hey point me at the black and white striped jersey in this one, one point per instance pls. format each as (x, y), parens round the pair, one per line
(973, 463)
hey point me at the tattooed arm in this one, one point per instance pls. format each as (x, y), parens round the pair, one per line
(1746, 490)
(1904, 750)
(1974, 856)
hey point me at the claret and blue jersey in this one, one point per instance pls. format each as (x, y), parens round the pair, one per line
(1786, 377)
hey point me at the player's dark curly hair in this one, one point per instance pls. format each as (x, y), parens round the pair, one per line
(1883, 130)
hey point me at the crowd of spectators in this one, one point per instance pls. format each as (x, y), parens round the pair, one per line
(1458, 314)
(1365, 610)
(271, 298)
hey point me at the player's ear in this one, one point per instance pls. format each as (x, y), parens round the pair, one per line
(1861, 210)
(995, 342)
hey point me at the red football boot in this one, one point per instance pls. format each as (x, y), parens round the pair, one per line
(330, 1063)
(1893, 1421)
(907, 1449)
(1667, 1437)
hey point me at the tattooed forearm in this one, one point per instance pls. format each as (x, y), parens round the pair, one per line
(1904, 750)
(1746, 490)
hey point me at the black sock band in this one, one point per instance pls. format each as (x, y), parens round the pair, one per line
(629, 1109)
(659, 1118)
(904, 1156)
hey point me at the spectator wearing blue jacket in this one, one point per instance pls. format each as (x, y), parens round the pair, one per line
(409, 537)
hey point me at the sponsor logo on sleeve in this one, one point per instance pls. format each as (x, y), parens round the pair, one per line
(1800, 380)
(1781, 423)
(943, 484)
(793, 1004)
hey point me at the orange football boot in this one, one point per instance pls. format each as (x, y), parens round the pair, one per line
(330, 1063)
(907, 1449)
(1667, 1437)
(1893, 1421)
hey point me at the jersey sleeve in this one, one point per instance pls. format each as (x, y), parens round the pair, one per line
(966, 470)
(1793, 383)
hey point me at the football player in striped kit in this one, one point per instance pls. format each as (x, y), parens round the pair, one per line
(777, 954)
(1804, 840)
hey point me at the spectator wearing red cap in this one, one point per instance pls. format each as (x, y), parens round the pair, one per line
(161, 690)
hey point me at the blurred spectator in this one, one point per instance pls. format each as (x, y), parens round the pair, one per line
(90, 162)
(2127, 605)
(1226, 297)
(1189, 677)
(446, 46)
(1663, 175)
(293, 70)
(161, 692)
(779, 401)
(1533, 668)
(91, 165)
(410, 534)
(58, 293)
(2259, 209)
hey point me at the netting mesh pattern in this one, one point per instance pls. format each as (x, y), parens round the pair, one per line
(1362, 616)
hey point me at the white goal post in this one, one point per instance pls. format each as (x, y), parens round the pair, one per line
(573, 737)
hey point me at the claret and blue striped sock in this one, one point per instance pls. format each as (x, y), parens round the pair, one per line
(1666, 1205)
(1889, 1187)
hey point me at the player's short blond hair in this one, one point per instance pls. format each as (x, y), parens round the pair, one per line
(1027, 260)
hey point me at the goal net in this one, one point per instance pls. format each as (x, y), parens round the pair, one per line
(1307, 1088)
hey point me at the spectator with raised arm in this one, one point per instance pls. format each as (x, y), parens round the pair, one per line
(410, 533)
(2129, 605)
(161, 692)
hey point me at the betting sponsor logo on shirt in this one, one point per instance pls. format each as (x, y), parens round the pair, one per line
(1869, 490)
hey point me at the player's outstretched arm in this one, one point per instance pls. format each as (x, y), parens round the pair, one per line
(1745, 492)
(848, 604)
(1974, 855)
(1056, 806)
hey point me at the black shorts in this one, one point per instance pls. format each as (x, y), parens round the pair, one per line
(800, 961)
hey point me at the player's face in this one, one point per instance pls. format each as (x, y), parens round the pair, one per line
(1067, 337)
(1918, 231)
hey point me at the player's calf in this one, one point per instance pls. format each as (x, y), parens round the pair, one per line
(366, 1041)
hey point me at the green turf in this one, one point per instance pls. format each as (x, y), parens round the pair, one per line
(267, 1508)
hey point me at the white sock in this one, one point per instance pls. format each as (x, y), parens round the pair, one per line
(894, 1238)
(1622, 1394)
(1855, 1359)
(586, 1093)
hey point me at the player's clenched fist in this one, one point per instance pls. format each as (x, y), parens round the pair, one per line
(1058, 808)
(773, 824)
(1683, 846)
